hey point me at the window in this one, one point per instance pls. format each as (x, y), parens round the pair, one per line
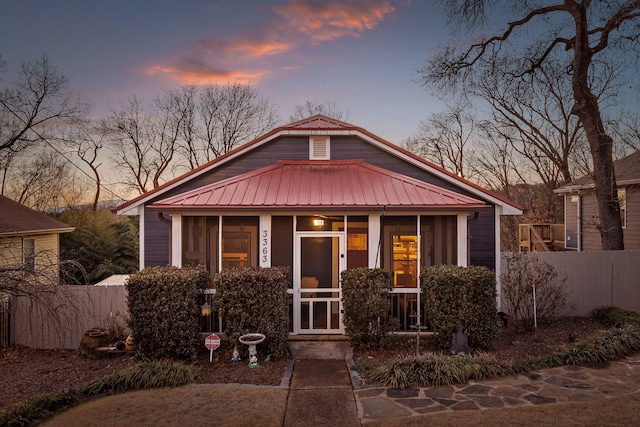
(319, 148)
(622, 199)
(400, 256)
(357, 241)
(29, 255)
(239, 242)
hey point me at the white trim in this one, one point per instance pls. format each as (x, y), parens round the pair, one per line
(141, 247)
(498, 258)
(462, 226)
(374, 239)
(176, 240)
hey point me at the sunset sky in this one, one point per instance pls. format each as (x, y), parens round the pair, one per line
(361, 54)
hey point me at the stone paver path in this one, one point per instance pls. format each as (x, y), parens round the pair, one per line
(563, 384)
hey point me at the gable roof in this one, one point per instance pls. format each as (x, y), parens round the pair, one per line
(17, 219)
(627, 172)
(317, 184)
(322, 125)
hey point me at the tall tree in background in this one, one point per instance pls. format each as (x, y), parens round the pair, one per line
(144, 143)
(447, 138)
(32, 106)
(586, 30)
(231, 115)
(312, 108)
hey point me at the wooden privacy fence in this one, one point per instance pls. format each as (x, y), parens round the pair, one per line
(60, 318)
(596, 279)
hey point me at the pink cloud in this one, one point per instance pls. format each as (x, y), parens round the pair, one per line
(295, 23)
(192, 71)
(330, 20)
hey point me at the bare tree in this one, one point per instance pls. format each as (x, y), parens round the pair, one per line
(447, 139)
(230, 115)
(88, 142)
(313, 107)
(144, 143)
(586, 30)
(30, 107)
(45, 181)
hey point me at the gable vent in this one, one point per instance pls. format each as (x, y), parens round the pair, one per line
(319, 148)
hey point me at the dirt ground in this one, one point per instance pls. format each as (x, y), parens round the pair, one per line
(27, 372)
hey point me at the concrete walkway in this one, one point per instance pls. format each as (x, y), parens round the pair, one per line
(321, 392)
(324, 392)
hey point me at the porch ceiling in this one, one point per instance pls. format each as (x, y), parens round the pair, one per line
(348, 184)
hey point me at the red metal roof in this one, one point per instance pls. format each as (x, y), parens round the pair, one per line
(343, 184)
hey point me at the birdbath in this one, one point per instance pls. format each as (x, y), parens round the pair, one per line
(252, 340)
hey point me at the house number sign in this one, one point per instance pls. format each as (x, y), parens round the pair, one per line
(265, 241)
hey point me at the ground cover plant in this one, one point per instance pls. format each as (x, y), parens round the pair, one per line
(145, 375)
(620, 339)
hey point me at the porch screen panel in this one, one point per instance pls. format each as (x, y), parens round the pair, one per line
(200, 242)
(282, 241)
(239, 242)
(400, 254)
(439, 238)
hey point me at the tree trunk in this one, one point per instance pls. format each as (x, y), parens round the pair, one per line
(600, 144)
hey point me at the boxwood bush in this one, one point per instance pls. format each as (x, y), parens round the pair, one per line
(164, 312)
(367, 306)
(453, 294)
(255, 300)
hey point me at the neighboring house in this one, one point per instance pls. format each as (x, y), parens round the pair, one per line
(30, 240)
(321, 196)
(581, 217)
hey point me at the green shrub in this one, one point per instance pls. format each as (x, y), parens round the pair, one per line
(164, 313)
(523, 273)
(255, 300)
(453, 294)
(367, 306)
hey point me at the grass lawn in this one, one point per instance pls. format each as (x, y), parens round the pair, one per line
(183, 406)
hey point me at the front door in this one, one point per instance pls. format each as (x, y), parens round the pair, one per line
(318, 303)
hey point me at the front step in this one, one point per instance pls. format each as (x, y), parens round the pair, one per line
(321, 349)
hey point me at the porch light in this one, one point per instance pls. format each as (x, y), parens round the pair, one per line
(318, 222)
(205, 309)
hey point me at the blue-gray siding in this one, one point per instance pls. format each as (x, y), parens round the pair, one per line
(297, 148)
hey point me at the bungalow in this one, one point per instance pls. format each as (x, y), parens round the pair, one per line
(581, 210)
(30, 240)
(320, 196)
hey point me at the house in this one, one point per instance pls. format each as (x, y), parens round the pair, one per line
(30, 240)
(321, 196)
(581, 209)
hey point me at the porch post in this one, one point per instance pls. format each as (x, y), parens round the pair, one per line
(141, 226)
(374, 240)
(176, 240)
(265, 241)
(462, 240)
